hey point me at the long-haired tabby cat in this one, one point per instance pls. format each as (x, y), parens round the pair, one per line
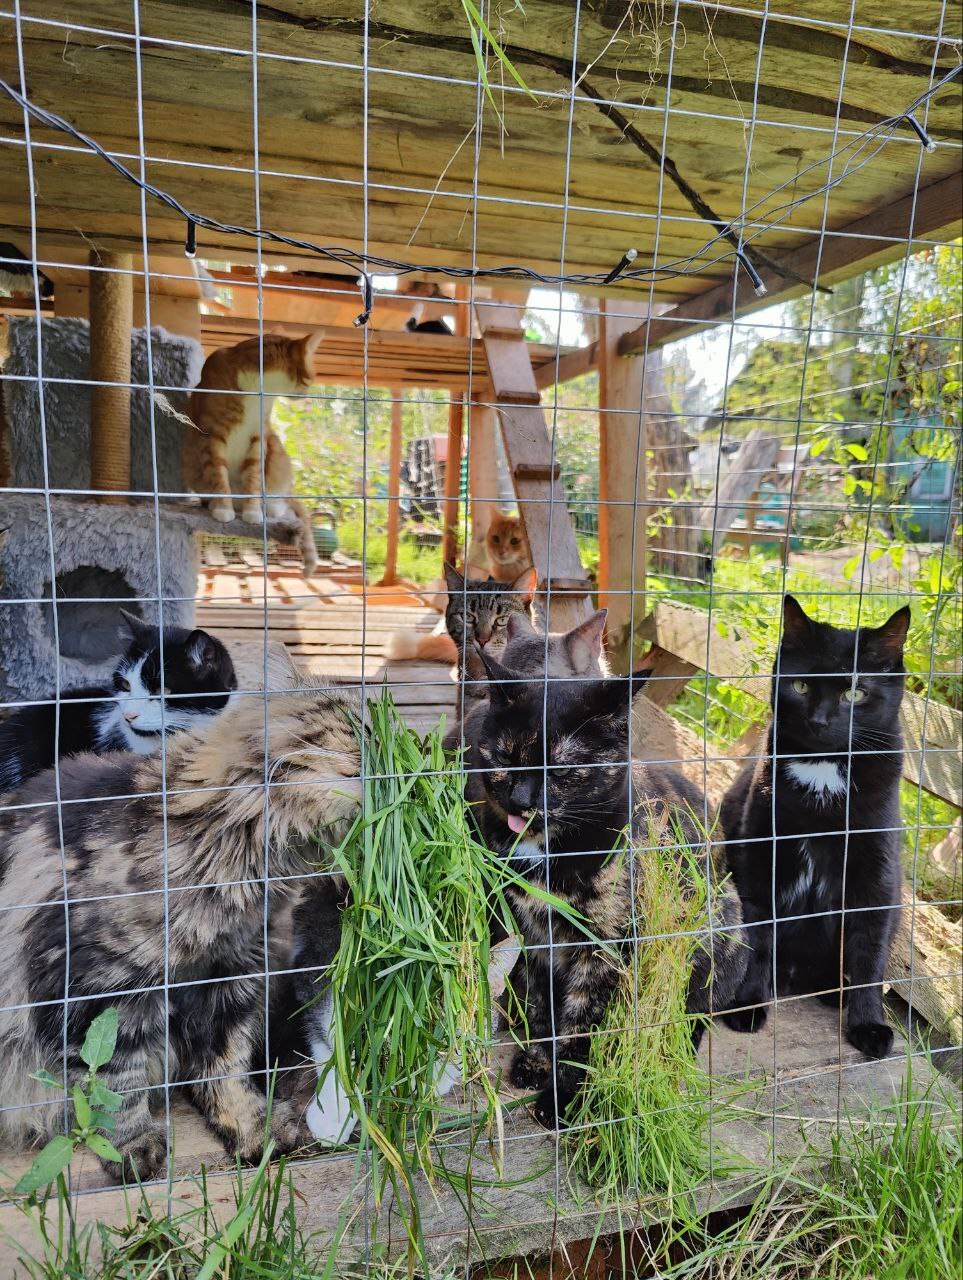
(223, 456)
(164, 918)
(815, 824)
(506, 545)
(558, 816)
(477, 609)
(144, 701)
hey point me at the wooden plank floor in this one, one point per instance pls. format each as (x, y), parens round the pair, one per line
(328, 626)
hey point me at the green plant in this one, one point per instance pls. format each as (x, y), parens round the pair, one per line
(642, 1114)
(93, 1106)
(410, 980)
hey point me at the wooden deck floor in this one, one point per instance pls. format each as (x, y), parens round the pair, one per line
(328, 626)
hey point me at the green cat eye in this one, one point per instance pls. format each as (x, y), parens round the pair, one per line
(853, 695)
(800, 686)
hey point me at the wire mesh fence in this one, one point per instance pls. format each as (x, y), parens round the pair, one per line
(479, 623)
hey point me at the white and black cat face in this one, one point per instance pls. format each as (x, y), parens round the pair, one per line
(196, 680)
(819, 708)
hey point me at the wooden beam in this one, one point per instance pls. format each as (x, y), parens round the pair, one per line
(883, 236)
(567, 365)
(482, 479)
(111, 320)
(390, 575)
(622, 508)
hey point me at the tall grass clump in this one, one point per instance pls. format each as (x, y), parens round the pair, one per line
(640, 1126)
(410, 980)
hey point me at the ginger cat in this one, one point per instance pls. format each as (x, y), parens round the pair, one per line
(506, 545)
(223, 456)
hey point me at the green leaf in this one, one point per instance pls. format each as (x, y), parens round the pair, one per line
(98, 1047)
(53, 1159)
(106, 1099)
(103, 1120)
(104, 1148)
(46, 1078)
(81, 1106)
(819, 446)
(850, 567)
(849, 485)
(858, 451)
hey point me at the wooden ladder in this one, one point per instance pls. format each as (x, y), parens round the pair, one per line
(565, 591)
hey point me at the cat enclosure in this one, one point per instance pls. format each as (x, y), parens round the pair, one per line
(699, 272)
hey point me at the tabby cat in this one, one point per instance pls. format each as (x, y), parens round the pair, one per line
(223, 456)
(476, 609)
(557, 816)
(123, 870)
(822, 803)
(506, 545)
(197, 680)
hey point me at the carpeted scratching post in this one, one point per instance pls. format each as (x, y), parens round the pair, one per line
(105, 552)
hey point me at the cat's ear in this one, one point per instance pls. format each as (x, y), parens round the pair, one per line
(456, 583)
(584, 643)
(201, 650)
(309, 344)
(885, 644)
(503, 685)
(797, 626)
(611, 698)
(524, 585)
(131, 627)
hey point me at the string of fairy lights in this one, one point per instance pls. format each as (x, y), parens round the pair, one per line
(858, 151)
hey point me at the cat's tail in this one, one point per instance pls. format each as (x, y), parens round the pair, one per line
(309, 552)
(437, 647)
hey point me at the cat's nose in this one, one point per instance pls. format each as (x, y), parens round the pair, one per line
(483, 636)
(131, 716)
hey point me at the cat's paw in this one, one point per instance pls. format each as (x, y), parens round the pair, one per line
(832, 999)
(251, 513)
(288, 1130)
(529, 1068)
(329, 1115)
(550, 1106)
(222, 509)
(874, 1039)
(746, 1020)
(145, 1155)
(277, 509)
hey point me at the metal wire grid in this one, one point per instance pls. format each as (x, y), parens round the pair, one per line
(790, 426)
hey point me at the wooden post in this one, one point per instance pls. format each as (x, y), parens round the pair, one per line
(456, 422)
(111, 321)
(622, 481)
(482, 480)
(390, 575)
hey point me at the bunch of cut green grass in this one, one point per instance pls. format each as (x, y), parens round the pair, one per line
(410, 980)
(641, 1120)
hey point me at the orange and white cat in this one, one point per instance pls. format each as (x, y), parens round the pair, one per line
(224, 455)
(506, 545)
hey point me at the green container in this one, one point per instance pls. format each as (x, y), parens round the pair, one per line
(325, 534)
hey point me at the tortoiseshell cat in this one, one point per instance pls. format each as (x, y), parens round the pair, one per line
(559, 834)
(223, 455)
(196, 987)
(831, 772)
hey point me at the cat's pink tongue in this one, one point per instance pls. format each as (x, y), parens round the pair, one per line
(515, 823)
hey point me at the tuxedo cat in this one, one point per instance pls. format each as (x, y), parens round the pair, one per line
(815, 824)
(198, 677)
(558, 816)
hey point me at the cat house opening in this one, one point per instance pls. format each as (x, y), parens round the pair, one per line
(89, 623)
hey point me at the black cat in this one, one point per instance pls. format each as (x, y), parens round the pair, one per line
(198, 678)
(561, 832)
(827, 789)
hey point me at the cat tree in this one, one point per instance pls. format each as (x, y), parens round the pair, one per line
(79, 418)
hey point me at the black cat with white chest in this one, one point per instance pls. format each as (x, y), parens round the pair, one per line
(143, 701)
(820, 807)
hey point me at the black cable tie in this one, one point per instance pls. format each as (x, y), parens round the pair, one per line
(367, 294)
(625, 261)
(752, 273)
(190, 244)
(924, 137)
